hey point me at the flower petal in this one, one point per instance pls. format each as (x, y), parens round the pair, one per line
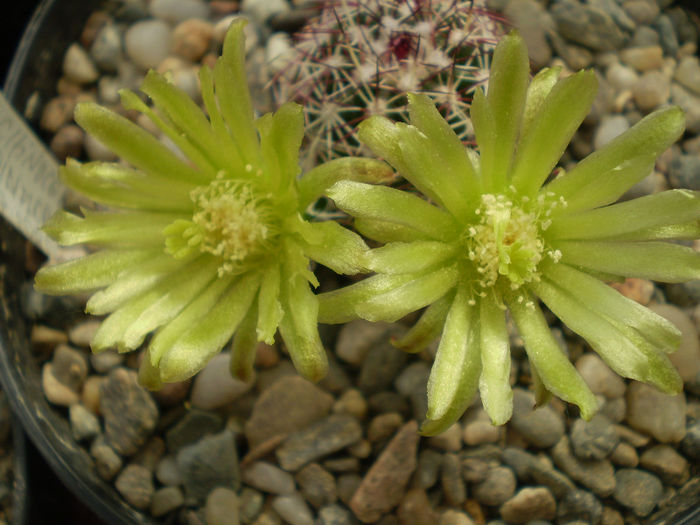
(648, 138)
(551, 130)
(338, 248)
(427, 328)
(391, 205)
(626, 353)
(134, 144)
(315, 182)
(555, 370)
(89, 273)
(658, 261)
(611, 303)
(409, 257)
(386, 232)
(625, 219)
(281, 134)
(494, 383)
(454, 377)
(414, 295)
(269, 308)
(508, 82)
(537, 93)
(245, 345)
(207, 327)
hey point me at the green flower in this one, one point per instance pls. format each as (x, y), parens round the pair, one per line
(207, 243)
(495, 235)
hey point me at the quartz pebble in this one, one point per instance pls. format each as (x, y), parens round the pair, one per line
(268, 478)
(214, 386)
(662, 416)
(148, 43)
(293, 509)
(78, 66)
(222, 507)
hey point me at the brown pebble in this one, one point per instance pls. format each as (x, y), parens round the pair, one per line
(192, 38)
(90, 395)
(415, 509)
(383, 426)
(57, 112)
(67, 142)
(65, 86)
(96, 21)
(266, 356)
(46, 338)
(223, 7)
(639, 290)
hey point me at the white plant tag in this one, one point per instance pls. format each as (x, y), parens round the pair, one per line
(30, 191)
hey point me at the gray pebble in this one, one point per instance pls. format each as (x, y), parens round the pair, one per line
(587, 25)
(618, 15)
(667, 35)
(579, 505)
(637, 490)
(69, 367)
(293, 509)
(130, 414)
(666, 463)
(357, 337)
(261, 12)
(684, 171)
(690, 104)
(686, 358)
(269, 478)
(78, 66)
(106, 50)
(214, 386)
(453, 488)
(176, 11)
(380, 366)
(543, 473)
(147, 43)
(644, 36)
(209, 463)
(520, 461)
(222, 507)
(166, 500)
(690, 446)
(595, 475)
(541, 427)
(317, 485)
(329, 435)
(498, 487)
(83, 423)
(135, 484)
(621, 77)
(533, 22)
(194, 425)
(427, 468)
(106, 361)
(594, 439)
(609, 128)
(651, 90)
(660, 415)
(167, 472)
(412, 383)
(599, 377)
(250, 503)
(335, 515)
(81, 333)
(529, 504)
(107, 461)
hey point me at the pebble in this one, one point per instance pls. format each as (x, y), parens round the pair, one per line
(594, 439)
(453, 488)
(667, 35)
(533, 23)
(595, 475)
(455, 517)
(192, 38)
(251, 503)
(83, 423)
(46, 338)
(67, 142)
(130, 414)
(497, 487)
(666, 463)
(380, 366)
(639, 290)
(625, 455)
(644, 36)
(324, 437)
(641, 11)
(176, 11)
(621, 77)
(148, 43)
(690, 446)
(660, 415)
(108, 90)
(357, 337)
(81, 333)
(599, 377)
(382, 487)
(414, 509)
(222, 507)
(97, 151)
(317, 485)
(150, 453)
(211, 462)
(383, 426)
(293, 509)
(684, 172)
(651, 90)
(92, 26)
(334, 515)
(637, 490)
(105, 361)
(687, 358)
(261, 12)
(268, 478)
(690, 104)
(351, 402)
(135, 484)
(609, 128)
(587, 25)
(543, 473)
(412, 383)
(428, 468)
(541, 427)
(167, 471)
(643, 58)
(106, 50)
(78, 66)
(290, 404)
(107, 461)
(57, 113)
(69, 367)
(55, 391)
(579, 505)
(166, 500)
(347, 486)
(194, 425)
(529, 504)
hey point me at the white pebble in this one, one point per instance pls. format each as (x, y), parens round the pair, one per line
(148, 43)
(214, 387)
(262, 11)
(279, 53)
(78, 66)
(98, 151)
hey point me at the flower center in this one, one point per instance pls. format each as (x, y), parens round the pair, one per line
(507, 241)
(229, 221)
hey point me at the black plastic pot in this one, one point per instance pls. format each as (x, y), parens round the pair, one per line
(35, 68)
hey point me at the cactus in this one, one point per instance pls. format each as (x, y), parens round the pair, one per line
(358, 59)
